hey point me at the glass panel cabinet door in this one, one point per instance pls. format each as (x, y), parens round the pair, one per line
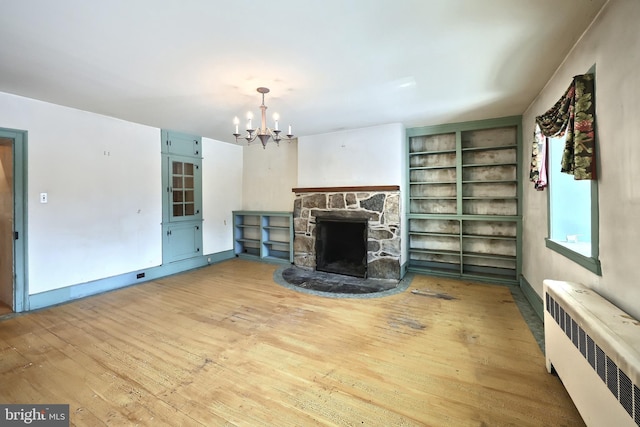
(183, 190)
(183, 193)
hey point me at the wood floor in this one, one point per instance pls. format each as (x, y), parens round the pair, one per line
(225, 345)
(4, 309)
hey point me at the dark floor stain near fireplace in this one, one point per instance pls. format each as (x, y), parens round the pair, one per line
(338, 285)
(396, 322)
(432, 294)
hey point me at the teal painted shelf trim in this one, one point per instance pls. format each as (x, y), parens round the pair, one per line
(465, 217)
(265, 246)
(419, 153)
(463, 181)
(490, 148)
(423, 168)
(483, 165)
(81, 290)
(456, 275)
(434, 252)
(465, 126)
(262, 213)
(427, 233)
(435, 182)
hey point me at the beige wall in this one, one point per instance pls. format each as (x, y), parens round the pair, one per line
(268, 175)
(612, 43)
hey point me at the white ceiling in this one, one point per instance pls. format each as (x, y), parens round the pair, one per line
(192, 65)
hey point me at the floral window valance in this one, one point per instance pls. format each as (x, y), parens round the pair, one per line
(573, 117)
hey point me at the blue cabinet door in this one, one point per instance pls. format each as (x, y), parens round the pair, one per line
(182, 196)
(181, 144)
(182, 241)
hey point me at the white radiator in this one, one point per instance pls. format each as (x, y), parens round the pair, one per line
(595, 349)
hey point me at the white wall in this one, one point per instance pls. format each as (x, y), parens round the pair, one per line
(103, 179)
(367, 156)
(269, 175)
(221, 193)
(360, 157)
(612, 43)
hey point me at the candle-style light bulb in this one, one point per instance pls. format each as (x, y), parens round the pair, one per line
(236, 121)
(249, 117)
(289, 130)
(276, 116)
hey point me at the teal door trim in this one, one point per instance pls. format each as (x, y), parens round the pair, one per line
(20, 283)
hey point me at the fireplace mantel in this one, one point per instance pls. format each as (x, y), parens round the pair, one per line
(363, 188)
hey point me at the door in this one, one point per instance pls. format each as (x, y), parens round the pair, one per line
(6, 226)
(13, 291)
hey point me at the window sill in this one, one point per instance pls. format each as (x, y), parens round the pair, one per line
(590, 263)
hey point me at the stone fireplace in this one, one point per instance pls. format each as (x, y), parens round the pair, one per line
(338, 211)
(341, 245)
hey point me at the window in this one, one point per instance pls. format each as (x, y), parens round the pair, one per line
(573, 212)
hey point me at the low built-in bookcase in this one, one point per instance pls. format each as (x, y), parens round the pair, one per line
(267, 236)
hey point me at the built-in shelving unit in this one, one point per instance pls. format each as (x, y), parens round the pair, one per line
(262, 235)
(464, 201)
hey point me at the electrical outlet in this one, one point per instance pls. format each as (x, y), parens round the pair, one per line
(44, 198)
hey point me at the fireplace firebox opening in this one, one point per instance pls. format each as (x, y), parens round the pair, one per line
(341, 246)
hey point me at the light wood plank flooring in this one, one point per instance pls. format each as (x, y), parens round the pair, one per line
(4, 309)
(225, 345)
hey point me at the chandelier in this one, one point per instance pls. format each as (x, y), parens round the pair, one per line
(264, 133)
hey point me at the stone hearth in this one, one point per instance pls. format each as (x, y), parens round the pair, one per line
(380, 208)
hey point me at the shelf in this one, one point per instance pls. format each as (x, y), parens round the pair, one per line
(249, 254)
(275, 259)
(420, 153)
(427, 233)
(275, 242)
(433, 198)
(418, 168)
(265, 236)
(470, 212)
(432, 182)
(434, 251)
(490, 256)
(248, 240)
(494, 181)
(489, 198)
(480, 165)
(491, 237)
(489, 148)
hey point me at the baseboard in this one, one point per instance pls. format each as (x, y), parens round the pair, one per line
(81, 290)
(403, 269)
(532, 296)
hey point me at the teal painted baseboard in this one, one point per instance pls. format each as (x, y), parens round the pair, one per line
(532, 296)
(403, 269)
(81, 290)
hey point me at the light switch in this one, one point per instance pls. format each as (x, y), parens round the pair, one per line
(44, 198)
